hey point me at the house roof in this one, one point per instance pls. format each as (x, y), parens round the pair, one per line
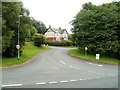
(57, 30)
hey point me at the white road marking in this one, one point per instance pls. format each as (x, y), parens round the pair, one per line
(62, 62)
(100, 65)
(41, 83)
(64, 81)
(80, 79)
(53, 82)
(73, 80)
(89, 78)
(95, 64)
(83, 79)
(11, 85)
(74, 67)
(69, 65)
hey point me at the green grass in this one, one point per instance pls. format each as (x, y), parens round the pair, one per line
(77, 53)
(29, 50)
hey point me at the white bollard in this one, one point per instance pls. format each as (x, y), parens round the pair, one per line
(97, 56)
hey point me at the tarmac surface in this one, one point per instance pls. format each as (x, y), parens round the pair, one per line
(56, 69)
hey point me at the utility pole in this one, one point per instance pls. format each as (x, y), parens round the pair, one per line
(18, 46)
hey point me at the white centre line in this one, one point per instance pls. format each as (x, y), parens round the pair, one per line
(53, 82)
(62, 62)
(11, 85)
(64, 81)
(70, 66)
(73, 80)
(80, 79)
(89, 78)
(41, 83)
(74, 67)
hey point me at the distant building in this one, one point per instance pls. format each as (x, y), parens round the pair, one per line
(53, 34)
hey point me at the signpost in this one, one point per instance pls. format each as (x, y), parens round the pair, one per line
(18, 47)
(86, 48)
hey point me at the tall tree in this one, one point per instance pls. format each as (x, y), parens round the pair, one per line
(97, 28)
(13, 14)
(40, 26)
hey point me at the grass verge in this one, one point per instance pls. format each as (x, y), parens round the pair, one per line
(78, 54)
(28, 52)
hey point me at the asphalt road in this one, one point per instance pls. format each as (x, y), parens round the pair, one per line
(56, 69)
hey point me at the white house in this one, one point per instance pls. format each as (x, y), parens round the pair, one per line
(53, 34)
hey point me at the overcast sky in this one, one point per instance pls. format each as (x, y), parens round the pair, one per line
(57, 13)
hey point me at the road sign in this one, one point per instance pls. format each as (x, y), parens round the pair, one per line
(86, 48)
(18, 46)
(97, 56)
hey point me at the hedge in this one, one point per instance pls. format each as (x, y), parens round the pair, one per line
(59, 43)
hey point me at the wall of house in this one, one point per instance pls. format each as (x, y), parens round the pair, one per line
(51, 39)
(65, 35)
(57, 35)
(49, 34)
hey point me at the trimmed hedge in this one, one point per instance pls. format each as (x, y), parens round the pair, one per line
(59, 43)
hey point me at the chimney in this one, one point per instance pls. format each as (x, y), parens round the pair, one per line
(59, 28)
(49, 26)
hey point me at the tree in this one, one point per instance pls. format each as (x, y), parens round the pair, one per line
(14, 15)
(40, 26)
(30, 32)
(97, 28)
(10, 18)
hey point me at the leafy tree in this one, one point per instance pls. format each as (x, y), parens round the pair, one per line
(10, 18)
(30, 32)
(33, 31)
(97, 28)
(40, 26)
(72, 39)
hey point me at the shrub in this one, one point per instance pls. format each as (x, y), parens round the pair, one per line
(12, 52)
(38, 39)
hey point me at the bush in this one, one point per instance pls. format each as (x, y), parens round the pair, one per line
(38, 39)
(12, 52)
(59, 43)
